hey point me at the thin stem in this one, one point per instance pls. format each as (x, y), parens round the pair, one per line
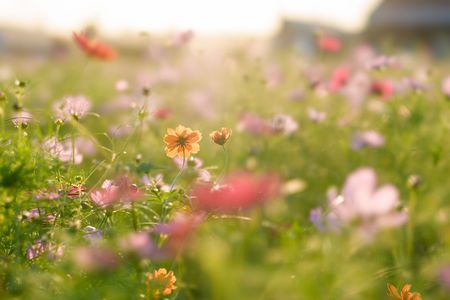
(179, 173)
(410, 228)
(225, 164)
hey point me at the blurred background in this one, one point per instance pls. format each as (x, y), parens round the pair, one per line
(42, 27)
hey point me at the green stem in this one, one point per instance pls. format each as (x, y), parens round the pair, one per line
(410, 228)
(225, 164)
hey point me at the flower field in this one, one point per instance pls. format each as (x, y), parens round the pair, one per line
(238, 172)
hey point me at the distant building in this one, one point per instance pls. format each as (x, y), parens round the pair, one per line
(405, 22)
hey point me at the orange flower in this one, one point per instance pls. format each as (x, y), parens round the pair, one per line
(160, 283)
(182, 141)
(94, 48)
(220, 137)
(405, 293)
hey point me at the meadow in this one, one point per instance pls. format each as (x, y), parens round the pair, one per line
(224, 173)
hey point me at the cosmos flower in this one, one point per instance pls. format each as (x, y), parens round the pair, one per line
(21, 119)
(339, 78)
(316, 116)
(444, 276)
(382, 88)
(375, 207)
(111, 192)
(368, 138)
(139, 243)
(122, 85)
(253, 124)
(94, 48)
(178, 231)
(62, 151)
(94, 258)
(282, 123)
(160, 283)
(404, 294)
(296, 94)
(182, 38)
(182, 141)
(195, 164)
(329, 44)
(446, 86)
(75, 106)
(221, 136)
(383, 62)
(238, 191)
(162, 113)
(273, 76)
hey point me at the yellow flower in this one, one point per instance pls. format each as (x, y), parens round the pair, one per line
(182, 141)
(405, 293)
(220, 137)
(160, 283)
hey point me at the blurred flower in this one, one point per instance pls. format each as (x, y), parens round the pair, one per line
(75, 106)
(412, 84)
(196, 164)
(369, 138)
(62, 151)
(339, 78)
(93, 235)
(382, 62)
(160, 283)
(382, 88)
(329, 44)
(111, 192)
(46, 195)
(182, 141)
(239, 191)
(293, 186)
(162, 113)
(444, 276)
(282, 123)
(360, 199)
(21, 119)
(357, 89)
(181, 38)
(32, 214)
(76, 191)
(178, 232)
(202, 102)
(273, 76)
(405, 293)
(156, 181)
(95, 258)
(446, 86)
(253, 124)
(94, 48)
(316, 116)
(140, 244)
(221, 136)
(85, 146)
(122, 85)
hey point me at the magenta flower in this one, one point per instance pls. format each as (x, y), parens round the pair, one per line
(94, 258)
(339, 78)
(121, 190)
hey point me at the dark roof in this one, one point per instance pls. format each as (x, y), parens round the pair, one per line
(411, 13)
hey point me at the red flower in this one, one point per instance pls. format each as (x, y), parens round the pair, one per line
(329, 44)
(382, 88)
(239, 191)
(94, 48)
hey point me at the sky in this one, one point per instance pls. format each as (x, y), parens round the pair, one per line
(202, 16)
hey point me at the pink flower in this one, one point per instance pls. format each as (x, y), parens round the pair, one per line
(239, 191)
(75, 106)
(121, 190)
(253, 124)
(178, 231)
(182, 38)
(382, 62)
(329, 44)
(339, 78)
(162, 113)
(446, 86)
(21, 119)
(360, 199)
(139, 243)
(122, 85)
(296, 94)
(36, 250)
(285, 124)
(316, 116)
(62, 151)
(76, 191)
(273, 76)
(94, 258)
(369, 138)
(382, 88)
